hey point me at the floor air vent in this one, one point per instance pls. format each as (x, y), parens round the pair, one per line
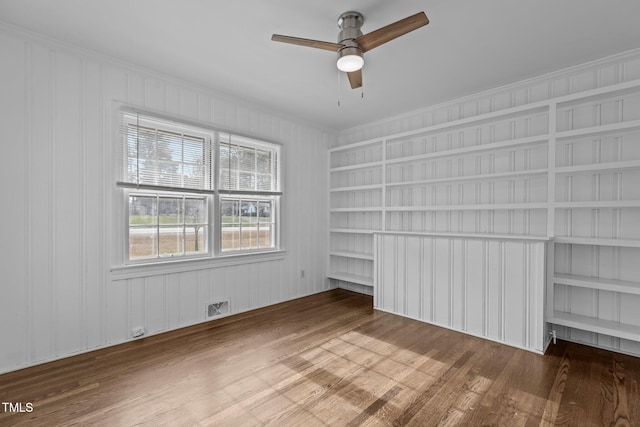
(215, 309)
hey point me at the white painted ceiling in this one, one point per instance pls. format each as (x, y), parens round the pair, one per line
(469, 46)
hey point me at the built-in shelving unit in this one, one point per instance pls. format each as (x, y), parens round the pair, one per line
(478, 175)
(567, 169)
(596, 215)
(356, 202)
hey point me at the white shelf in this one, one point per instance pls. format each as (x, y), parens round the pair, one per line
(489, 207)
(485, 177)
(628, 243)
(592, 324)
(352, 278)
(599, 130)
(357, 188)
(357, 166)
(351, 230)
(531, 108)
(467, 235)
(605, 92)
(611, 285)
(600, 204)
(356, 255)
(494, 146)
(599, 167)
(363, 209)
(353, 145)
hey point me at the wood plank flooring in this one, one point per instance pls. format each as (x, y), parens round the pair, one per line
(328, 359)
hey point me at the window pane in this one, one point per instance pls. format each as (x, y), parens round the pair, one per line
(143, 243)
(195, 211)
(194, 176)
(145, 139)
(132, 170)
(232, 162)
(247, 157)
(169, 147)
(265, 236)
(264, 183)
(170, 210)
(224, 156)
(132, 142)
(247, 181)
(263, 161)
(168, 174)
(250, 236)
(249, 211)
(230, 238)
(195, 240)
(171, 241)
(230, 211)
(142, 210)
(249, 219)
(147, 172)
(264, 211)
(230, 180)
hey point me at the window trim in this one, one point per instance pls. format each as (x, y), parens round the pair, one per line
(214, 257)
(132, 271)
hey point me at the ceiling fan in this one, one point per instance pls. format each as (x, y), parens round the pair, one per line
(352, 44)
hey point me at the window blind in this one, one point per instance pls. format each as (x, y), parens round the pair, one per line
(248, 166)
(161, 155)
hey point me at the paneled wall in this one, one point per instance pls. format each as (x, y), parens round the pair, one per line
(488, 287)
(555, 157)
(58, 128)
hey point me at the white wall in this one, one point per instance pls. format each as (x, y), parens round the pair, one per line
(58, 296)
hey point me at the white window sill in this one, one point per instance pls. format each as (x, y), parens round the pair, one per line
(178, 266)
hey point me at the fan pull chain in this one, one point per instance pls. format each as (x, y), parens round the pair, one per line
(338, 71)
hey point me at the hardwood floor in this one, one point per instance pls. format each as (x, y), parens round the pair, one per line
(328, 359)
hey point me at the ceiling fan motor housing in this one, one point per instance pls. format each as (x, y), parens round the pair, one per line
(349, 24)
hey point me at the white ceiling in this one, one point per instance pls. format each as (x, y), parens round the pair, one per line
(469, 46)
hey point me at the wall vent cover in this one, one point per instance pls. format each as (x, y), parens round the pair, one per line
(215, 309)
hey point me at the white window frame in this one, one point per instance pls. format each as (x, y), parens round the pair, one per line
(214, 196)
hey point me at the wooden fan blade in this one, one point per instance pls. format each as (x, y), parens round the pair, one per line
(355, 78)
(391, 31)
(307, 42)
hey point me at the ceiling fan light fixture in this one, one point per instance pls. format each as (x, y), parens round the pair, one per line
(350, 59)
(349, 63)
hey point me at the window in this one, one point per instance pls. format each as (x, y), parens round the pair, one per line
(181, 203)
(249, 194)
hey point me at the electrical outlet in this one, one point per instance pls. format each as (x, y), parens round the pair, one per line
(137, 332)
(302, 274)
